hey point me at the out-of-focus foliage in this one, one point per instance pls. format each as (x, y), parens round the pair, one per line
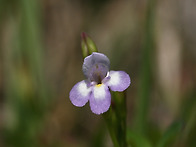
(41, 59)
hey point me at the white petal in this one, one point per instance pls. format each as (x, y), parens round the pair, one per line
(119, 80)
(80, 94)
(100, 99)
(99, 92)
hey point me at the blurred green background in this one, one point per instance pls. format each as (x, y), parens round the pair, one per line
(41, 60)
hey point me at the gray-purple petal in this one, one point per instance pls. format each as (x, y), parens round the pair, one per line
(119, 80)
(80, 94)
(96, 66)
(100, 99)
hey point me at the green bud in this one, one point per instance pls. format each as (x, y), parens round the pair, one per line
(87, 45)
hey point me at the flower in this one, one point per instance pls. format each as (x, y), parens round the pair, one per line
(99, 81)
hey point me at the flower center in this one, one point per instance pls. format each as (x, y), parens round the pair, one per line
(98, 85)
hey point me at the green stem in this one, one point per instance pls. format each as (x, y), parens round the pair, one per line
(115, 119)
(110, 120)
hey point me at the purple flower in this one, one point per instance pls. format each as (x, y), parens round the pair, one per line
(99, 81)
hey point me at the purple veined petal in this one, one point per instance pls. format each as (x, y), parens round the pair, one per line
(96, 66)
(80, 94)
(100, 99)
(119, 80)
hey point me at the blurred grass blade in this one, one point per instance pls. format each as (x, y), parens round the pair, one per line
(26, 91)
(170, 135)
(137, 140)
(188, 113)
(146, 71)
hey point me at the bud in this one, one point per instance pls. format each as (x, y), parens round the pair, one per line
(87, 45)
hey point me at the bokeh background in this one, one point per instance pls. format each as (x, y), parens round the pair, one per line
(41, 59)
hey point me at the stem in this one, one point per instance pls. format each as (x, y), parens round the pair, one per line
(110, 120)
(116, 119)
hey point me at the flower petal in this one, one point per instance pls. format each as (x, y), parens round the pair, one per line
(95, 65)
(119, 80)
(100, 99)
(80, 94)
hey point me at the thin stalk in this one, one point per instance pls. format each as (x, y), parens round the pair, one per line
(115, 119)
